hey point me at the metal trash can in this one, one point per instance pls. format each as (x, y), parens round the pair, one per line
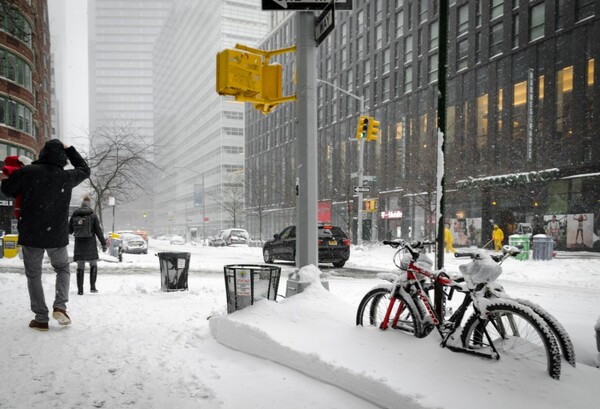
(247, 283)
(10, 246)
(521, 241)
(543, 246)
(174, 268)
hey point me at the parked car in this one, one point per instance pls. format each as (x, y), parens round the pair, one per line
(171, 238)
(230, 236)
(334, 246)
(133, 243)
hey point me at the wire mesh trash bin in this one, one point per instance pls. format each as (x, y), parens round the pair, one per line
(543, 246)
(174, 268)
(521, 241)
(246, 283)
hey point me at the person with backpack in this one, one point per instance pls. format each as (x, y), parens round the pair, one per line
(85, 226)
(45, 189)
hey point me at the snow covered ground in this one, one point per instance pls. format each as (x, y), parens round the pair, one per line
(133, 345)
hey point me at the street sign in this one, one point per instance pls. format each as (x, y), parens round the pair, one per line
(362, 189)
(283, 5)
(325, 23)
(370, 178)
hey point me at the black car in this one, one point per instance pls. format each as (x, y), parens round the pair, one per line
(334, 246)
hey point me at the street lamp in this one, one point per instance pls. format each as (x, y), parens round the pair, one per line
(360, 172)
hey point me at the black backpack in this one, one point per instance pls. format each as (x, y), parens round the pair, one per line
(82, 226)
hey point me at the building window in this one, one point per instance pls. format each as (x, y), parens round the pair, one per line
(408, 49)
(519, 114)
(399, 23)
(434, 35)
(463, 19)
(386, 60)
(463, 54)
(386, 89)
(420, 42)
(496, 37)
(433, 68)
(378, 10)
(16, 115)
(478, 11)
(482, 121)
(378, 37)
(410, 15)
(407, 79)
(500, 108)
(422, 11)
(559, 14)
(584, 9)
(478, 46)
(515, 31)
(14, 23)
(496, 8)
(536, 21)
(367, 71)
(564, 102)
(360, 21)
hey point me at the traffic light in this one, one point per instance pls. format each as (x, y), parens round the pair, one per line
(363, 126)
(373, 130)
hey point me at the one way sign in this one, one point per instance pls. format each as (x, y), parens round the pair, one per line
(362, 189)
(304, 4)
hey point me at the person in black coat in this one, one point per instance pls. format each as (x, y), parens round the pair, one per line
(86, 248)
(45, 188)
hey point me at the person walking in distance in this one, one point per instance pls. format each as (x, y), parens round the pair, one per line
(498, 237)
(85, 226)
(448, 239)
(45, 188)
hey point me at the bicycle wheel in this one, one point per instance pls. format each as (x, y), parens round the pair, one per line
(559, 332)
(373, 308)
(515, 332)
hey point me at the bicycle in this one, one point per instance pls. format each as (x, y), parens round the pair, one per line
(496, 324)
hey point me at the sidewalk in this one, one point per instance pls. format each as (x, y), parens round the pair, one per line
(386, 368)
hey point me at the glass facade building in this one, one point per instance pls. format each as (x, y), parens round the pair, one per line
(522, 115)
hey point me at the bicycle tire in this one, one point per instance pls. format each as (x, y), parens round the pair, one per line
(559, 332)
(516, 331)
(373, 307)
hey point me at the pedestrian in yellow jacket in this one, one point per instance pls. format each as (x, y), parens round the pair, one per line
(448, 239)
(498, 237)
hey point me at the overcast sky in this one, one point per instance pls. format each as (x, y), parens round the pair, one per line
(68, 31)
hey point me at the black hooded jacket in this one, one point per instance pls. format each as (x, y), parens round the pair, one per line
(46, 193)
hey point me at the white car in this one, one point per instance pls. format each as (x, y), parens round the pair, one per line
(133, 243)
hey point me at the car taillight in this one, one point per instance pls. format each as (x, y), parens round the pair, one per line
(346, 242)
(321, 242)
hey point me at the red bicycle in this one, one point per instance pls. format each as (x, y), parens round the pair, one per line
(497, 325)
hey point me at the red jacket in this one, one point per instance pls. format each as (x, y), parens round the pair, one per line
(11, 164)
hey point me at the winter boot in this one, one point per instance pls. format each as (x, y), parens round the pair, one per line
(79, 282)
(93, 276)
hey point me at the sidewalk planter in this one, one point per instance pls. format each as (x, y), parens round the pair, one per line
(174, 268)
(521, 241)
(543, 246)
(247, 283)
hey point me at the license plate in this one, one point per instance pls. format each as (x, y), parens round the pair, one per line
(332, 242)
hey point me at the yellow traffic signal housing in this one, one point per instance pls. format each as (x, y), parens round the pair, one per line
(271, 81)
(373, 130)
(363, 126)
(239, 73)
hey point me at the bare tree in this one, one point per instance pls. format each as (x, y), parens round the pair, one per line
(231, 197)
(120, 160)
